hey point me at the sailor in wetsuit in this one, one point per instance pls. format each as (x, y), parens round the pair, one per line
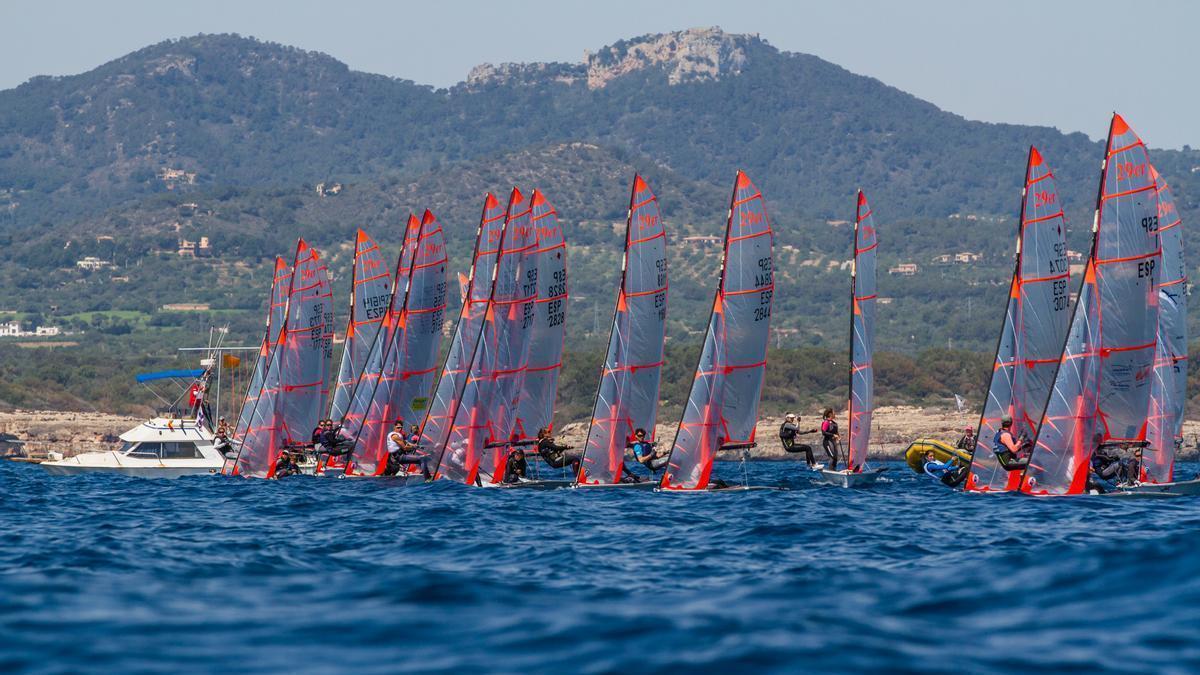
(515, 466)
(831, 440)
(286, 466)
(949, 473)
(1008, 449)
(789, 432)
(557, 456)
(401, 453)
(967, 441)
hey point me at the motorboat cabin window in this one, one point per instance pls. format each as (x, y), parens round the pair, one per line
(180, 450)
(146, 450)
(127, 446)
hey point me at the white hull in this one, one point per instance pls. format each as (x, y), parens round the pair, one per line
(644, 485)
(1185, 487)
(61, 469)
(846, 479)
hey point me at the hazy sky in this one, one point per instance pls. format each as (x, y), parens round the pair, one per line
(1063, 64)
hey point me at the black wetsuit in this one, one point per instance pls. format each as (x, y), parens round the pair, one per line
(285, 468)
(515, 467)
(558, 456)
(966, 443)
(788, 431)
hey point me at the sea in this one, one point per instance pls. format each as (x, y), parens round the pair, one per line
(105, 573)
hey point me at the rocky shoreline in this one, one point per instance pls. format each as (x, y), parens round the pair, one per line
(894, 427)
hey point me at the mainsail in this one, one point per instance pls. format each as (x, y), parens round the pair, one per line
(862, 334)
(484, 419)
(627, 397)
(290, 395)
(276, 311)
(536, 407)
(327, 326)
(304, 359)
(370, 295)
(1101, 391)
(435, 431)
(1168, 390)
(722, 407)
(1034, 328)
(399, 370)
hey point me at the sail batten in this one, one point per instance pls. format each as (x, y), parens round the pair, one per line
(1101, 390)
(722, 405)
(627, 395)
(1033, 331)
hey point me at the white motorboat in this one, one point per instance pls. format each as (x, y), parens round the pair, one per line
(851, 479)
(163, 447)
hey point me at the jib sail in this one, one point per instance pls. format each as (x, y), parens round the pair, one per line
(1101, 392)
(1034, 328)
(722, 406)
(627, 398)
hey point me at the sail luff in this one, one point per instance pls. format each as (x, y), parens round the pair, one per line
(628, 388)
(302, 365)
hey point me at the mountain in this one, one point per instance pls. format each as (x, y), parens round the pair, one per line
(250, 144)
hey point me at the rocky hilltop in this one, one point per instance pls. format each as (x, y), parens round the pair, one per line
(693, 55)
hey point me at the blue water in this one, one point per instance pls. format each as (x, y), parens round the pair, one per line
(106, 573)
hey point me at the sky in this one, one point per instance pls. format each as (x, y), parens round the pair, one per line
(1059, 63)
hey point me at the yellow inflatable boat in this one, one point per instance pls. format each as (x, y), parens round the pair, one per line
(914, 456)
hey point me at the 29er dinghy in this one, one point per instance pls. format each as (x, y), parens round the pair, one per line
(475, 450)
(862, 350)
(1101, 391)
(396, 381)
(1034, 328)
(627, 396)
(722, 406)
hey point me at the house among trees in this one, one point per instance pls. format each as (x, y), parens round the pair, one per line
(703, 241)
(91, 262)
(328, 190)
(904, 269)
(191, 249)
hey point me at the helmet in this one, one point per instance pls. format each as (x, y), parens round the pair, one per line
(790, 416)
(1006, 420)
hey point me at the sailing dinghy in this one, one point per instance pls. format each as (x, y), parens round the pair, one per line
(862, 353)
(398, 375)
(627, 397)
(281, 281)
(722, 406)
(1168, 390)
(1034, 328)
(483, 421)
(535, 410)
(1101, 391)
(289, 402)
(476, 292)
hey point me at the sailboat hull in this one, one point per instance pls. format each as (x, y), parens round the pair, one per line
(851, 480)
(1185, 487)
